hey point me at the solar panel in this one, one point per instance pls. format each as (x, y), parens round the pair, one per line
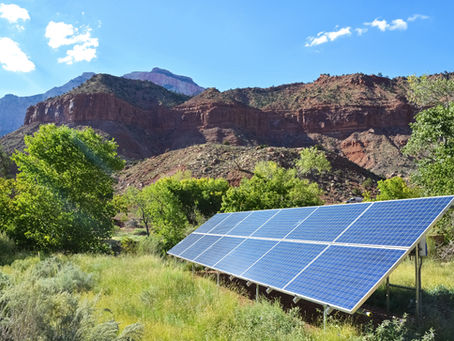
(334, 255)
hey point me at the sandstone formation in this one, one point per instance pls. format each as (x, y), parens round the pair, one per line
(364, 118)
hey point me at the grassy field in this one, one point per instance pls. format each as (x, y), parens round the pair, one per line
(174, 304)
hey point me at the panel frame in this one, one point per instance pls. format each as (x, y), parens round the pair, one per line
(407, 250)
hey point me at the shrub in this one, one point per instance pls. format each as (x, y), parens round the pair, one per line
(43, 303)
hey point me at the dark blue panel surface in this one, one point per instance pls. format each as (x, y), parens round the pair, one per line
(184, 244)
(244, 256)
(252, 223)
(343, 275)
(283, 263)
(217, 250)
(283, 222)
(328, 222)
(226, 225)
(198, 247)
(212, 222)
(398, 223)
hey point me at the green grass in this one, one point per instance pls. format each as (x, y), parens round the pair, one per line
(174, 304)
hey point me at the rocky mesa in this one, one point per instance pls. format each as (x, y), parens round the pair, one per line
(364, 118)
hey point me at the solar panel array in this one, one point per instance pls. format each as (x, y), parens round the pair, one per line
(333, 255)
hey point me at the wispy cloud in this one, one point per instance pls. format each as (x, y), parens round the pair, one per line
(62, 34)
(324, 37)
(417, 16)
(12, 58)
(14, 14)
(381, 24)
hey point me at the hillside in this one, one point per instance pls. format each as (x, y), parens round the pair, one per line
(235, 162)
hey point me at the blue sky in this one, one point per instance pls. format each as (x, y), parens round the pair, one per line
(225, 44)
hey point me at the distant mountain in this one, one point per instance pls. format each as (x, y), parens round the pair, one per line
(13, 108)
(179, 84)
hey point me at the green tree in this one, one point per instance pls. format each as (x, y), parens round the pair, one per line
(313, 161)
(174, 204)
(396, 188)
(428, 91)
(64, 190)
(432, 139)
(5, 164)
(271, 186)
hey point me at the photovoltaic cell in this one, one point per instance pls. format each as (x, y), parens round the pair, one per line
(328, 222)
(185, 243)
(343, 275)
(283, 222)
(198, 247)
(244, 255)
(230, 222)
(397, 223)
(217, 250)
(252, 222)
(283, 263)
(334, 255)
(212, 222)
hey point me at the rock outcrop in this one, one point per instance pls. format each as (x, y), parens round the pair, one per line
(364, 118)
(176, 83)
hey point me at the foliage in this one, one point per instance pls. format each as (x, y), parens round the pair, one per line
(43, 303)
(396, 188)
(7, 193)
(271, 186)
(427, 91)
(5, 164)
(7, 248)
(396, 330)
(64, 190)
(313, 160)
(171, 205)
(432, 143)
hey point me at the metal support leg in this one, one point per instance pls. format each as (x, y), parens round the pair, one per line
(217, 278)
(256, 292)
(192, 268)
(387, 295)
(417, 282)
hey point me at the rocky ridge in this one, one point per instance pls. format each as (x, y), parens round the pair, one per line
(362, 117)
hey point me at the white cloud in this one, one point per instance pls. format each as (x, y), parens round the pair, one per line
(62, 34)
(398, 24)
(417, 16)
(13, 13)
(324, 37)
(382, 25)
(361, 30)
(12, 58)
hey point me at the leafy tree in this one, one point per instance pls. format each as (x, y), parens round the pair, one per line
(427, 91)
(64, 190)
(396, 188)
(172, 205)
(313, 161)
(5, 164)
(271, 186)
(432, 138)
(7, 192)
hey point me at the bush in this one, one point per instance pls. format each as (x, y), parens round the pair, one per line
(43, 303)
(7, 248)
(396, 330)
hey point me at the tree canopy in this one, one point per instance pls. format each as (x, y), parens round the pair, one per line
(271, 186)
(432, 139)
(64, 190)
